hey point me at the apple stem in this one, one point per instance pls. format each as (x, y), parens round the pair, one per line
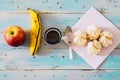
(12, 32)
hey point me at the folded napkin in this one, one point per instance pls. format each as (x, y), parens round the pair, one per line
(95, 17)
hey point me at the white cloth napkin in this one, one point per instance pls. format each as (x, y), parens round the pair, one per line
(95, 17)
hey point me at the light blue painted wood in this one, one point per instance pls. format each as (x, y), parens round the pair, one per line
(15, 61)
(60, 75)
(59, 21)
(48, 20)
(72, 6)
(51, 57)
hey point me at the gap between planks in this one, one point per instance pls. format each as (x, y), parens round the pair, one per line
(57, 12)
(57, 69)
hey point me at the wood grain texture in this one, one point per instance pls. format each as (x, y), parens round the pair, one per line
(61, 6)
(52, 62)
(51, 59)
(48, 20)
(49, 56)
(60, 75)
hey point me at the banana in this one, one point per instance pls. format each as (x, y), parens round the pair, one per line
(36, 32)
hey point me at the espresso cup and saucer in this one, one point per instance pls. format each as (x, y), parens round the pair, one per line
(52, 36)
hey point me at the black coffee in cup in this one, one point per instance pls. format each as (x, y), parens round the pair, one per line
(53, 36)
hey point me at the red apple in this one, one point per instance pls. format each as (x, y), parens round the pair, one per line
(14, 36)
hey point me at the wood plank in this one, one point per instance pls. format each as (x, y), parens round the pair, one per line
(44, 44)
(61, 6)
(59, 21)
(52, 62)
(60, 75)
(48, 20)
(51, 57)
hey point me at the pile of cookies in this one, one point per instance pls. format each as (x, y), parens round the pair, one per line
(94, 38)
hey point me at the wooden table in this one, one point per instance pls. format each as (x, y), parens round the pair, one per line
(52, 61)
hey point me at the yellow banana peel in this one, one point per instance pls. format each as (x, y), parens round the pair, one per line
(36, 32)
